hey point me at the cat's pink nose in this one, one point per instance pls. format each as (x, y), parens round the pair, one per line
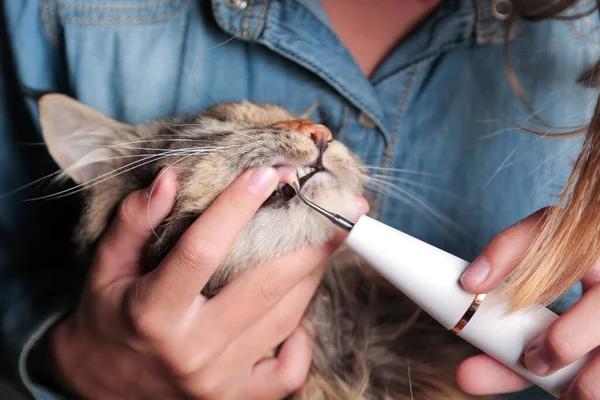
(316, 132)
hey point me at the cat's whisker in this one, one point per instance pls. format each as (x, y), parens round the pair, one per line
(160, 139)
(396, 191)
(403, 197)
(87, 185)
(39, 180)
(161, 150)
(187, 152)
(400, 179)
(128, 167)
(87, 160)
(413, 183)
(407, 181)
(401, 170)
(57, 174)
(156, 148)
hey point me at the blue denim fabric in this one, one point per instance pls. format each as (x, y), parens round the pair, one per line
(440, 109)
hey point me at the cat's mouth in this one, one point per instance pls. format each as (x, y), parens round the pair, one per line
(285, 192)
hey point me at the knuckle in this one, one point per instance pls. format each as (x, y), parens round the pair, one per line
(195, 259)
(558, 345)
(587, 387)
(268, 290)
(205, 384)
(184, 364)
(143, 325)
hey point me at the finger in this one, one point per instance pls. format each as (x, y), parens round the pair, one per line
(276, 378)
(250, 296)
(177, 282)
(502, 254)
(569, 338)
(120, 249)
(481, 375)
(586, 386)
(361, 207)
(267, 333)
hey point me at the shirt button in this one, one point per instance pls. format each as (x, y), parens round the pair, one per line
(502, 9)
(365, 121)
(236, 5)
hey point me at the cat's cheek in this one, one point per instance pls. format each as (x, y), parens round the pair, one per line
(342, 202)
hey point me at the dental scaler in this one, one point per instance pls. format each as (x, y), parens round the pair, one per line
(430, 277)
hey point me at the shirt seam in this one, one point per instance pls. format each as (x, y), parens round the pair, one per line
(220, 20)
(112, 6)
(125, 21)
(390, 147)
(49, 14)
(422, 58)
(344, 126)
(246, 22)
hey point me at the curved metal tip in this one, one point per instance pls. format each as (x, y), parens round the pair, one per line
(335, 218)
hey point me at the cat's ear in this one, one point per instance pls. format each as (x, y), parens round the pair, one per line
(76, 135)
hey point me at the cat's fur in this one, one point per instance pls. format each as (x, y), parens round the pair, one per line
(370, 338)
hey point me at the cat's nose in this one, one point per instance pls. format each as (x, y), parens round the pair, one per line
(316, 132)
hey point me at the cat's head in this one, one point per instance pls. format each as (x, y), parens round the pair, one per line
(208, 151)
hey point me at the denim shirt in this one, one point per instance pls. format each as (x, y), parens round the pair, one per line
(437, 121)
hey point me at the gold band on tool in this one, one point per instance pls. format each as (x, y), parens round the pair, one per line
(468, 314)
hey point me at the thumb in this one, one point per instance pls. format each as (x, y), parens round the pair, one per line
(120, 250)
(502, 254)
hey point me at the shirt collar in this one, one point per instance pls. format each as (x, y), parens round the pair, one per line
(485, 20)
(288, 28)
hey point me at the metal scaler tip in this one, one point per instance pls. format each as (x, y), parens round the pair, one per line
(333, 217)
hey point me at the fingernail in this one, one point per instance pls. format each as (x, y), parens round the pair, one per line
(263, 181)
(476, 273)
(535, 362)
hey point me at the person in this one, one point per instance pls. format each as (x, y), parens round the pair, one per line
(418, 89)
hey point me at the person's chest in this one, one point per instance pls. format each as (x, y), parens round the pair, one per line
(434, 123)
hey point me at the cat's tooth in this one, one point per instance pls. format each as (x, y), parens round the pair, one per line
(301, 172)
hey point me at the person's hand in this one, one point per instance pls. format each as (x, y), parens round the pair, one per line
(154, 336)
(570, 337)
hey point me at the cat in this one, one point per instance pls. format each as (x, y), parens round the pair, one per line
(371, 341)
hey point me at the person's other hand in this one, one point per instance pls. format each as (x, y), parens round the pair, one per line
(154, 336)
(570, 337)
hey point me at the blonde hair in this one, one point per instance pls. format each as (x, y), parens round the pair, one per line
(568, 244)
